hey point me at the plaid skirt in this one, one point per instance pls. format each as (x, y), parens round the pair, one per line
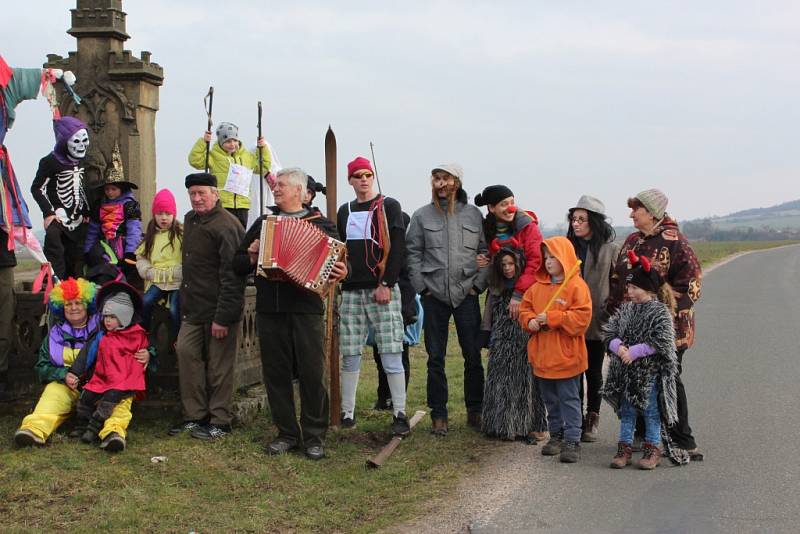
(359, 312)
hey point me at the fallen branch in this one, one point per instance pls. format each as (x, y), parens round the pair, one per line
(387, 451)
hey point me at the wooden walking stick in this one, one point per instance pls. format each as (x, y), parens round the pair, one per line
(378, 460)
(260, 165)
(208, 101)
(567, 278)
(331, 311)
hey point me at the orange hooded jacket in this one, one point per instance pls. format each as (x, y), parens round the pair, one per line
(558, 351)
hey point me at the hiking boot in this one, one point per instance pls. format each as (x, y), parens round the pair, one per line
(184, 426)
(439, 427)
(651, 456)
(400, 425)
(211, 432)
(315, 452)
(26, 438)
(553, 447)
(280, 446)
(570, 452)
(113, 443)
(590, 425)
(348, 422)
(474, 420)
(623, 456)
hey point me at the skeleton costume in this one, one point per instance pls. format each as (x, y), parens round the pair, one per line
(58, 189)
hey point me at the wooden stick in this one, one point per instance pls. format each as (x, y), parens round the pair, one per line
(563, 285)
(331, 312)
(387, 451)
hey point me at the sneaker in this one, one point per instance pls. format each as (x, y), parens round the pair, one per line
(590, 425)
(553, 447)
(25, 438)
(400, 425)
(315, 452)
(184, 426)
(623, 456)
(113, 443)
(280, 446)
(348, 422)
(651, 457)
(211, 432)
(570, 452)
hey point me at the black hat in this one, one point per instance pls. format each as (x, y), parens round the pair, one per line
(493, 195)
(641, 273)
(316, 187)
(201, 178)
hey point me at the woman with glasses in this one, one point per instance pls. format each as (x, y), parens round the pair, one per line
(593, 239)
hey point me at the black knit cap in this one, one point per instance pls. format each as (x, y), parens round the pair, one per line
(315, 186)
(492, 195)
(201, 178)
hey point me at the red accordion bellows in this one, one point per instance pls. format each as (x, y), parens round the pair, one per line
(296, 250)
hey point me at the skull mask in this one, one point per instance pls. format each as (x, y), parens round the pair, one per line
(78, 144)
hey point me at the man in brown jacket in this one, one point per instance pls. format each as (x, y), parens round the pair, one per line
(212, 299)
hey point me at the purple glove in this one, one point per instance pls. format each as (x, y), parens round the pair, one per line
(640, 350)
(615, 344)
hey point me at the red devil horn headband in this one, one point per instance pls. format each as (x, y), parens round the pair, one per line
(645, 264)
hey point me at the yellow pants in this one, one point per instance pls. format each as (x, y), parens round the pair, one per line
(57, 403)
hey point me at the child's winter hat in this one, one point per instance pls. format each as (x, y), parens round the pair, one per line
(492, 195)
(359, 164)
(120, 306)
(227, 130)
(654, 201)
(641, 273)
(164, 202)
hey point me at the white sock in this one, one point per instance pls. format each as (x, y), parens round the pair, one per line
(397, 387)
(349, 386)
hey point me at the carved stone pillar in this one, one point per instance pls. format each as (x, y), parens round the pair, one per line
(119, 92)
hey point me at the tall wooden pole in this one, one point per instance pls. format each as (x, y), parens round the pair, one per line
(331, 309)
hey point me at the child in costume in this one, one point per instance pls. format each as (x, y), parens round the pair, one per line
(72, 309)
(641, 374)
(557, 310)
(512, 405)
(158, 260)
(223, 155)
(115, 226)
(117, 375)
(58, 189)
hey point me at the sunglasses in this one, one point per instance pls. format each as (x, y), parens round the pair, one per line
(365, 175)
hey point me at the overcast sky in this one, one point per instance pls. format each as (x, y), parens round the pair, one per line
(553, 99)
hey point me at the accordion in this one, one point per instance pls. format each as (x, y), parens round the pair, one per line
(295, 250)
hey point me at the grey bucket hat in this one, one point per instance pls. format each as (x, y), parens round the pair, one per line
(590, 203)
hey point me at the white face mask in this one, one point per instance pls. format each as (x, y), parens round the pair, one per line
(78, 144)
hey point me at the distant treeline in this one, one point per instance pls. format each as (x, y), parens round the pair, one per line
(704, 229)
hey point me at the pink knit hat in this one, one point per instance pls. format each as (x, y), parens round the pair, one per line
(359, 164)
(164, 201)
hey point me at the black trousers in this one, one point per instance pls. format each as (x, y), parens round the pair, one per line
(98, 406)
(680, 432)
(64, 249)
(594, 375)
(241, 214)
(292, 343)
(384, 394)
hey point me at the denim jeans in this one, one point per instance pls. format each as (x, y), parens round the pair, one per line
(651, 416)
(467, 317)
(563, 402)
(151, 297)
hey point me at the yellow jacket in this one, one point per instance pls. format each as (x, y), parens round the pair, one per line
(219, 162)
(163, 268)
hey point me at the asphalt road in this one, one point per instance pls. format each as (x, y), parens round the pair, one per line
(742, 379)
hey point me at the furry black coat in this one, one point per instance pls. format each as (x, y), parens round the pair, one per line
(651, 323)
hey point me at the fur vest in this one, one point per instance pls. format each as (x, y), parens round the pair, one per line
(651, 323)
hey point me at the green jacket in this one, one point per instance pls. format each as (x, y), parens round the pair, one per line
(219, 162)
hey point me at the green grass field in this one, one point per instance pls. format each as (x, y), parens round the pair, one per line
(710, 252)
(233, 486)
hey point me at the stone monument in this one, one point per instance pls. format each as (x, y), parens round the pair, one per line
(119, 93)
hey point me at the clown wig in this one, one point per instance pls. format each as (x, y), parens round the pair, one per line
(71, 289)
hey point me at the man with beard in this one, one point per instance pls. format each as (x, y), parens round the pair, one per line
(442, 243)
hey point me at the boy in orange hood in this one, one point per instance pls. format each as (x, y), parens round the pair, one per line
(556, 349)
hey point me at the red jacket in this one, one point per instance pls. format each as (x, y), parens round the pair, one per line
(528, 239)
(116, 368)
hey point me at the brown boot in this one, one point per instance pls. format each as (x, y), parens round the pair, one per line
(651, 456)
(439, 427)
(590, 427)
(623, 456)
(474, 420)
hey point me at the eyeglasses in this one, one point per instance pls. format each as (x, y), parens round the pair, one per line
(579, 220)
(365, 175)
